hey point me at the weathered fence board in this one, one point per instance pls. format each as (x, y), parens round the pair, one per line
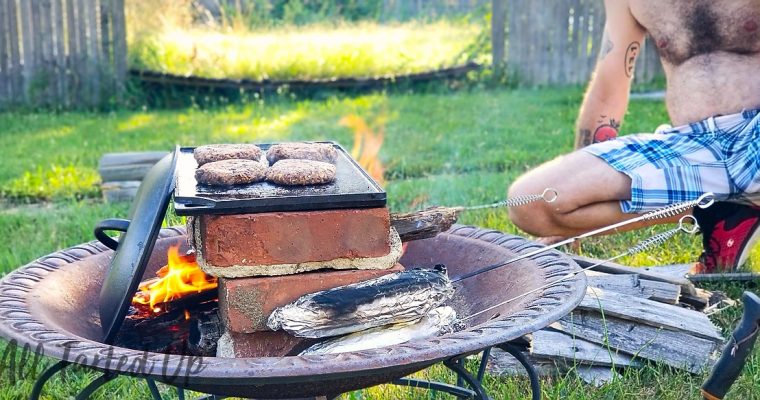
(4, 53)
(631, 285)
(61, 53)
(650, 312)
(556, 42)
(675, 348)
(553, 344)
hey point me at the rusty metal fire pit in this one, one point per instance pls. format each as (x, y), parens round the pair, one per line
(50, 302)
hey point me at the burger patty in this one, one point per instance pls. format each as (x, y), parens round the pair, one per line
(324, 152)
(217, 152)
(301, 172)
(230, 172)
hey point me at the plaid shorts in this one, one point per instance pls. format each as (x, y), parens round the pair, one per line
(719, 155)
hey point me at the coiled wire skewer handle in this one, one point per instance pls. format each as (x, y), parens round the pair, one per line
(686, 224)
(703, 201)
(549, 195)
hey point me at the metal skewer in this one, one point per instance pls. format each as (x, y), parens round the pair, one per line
(549, 195)
(702, 201)
(653, 241)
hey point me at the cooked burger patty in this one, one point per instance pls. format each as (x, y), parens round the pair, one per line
(217, 152)
(324, 152)
(230, 172)
(301, 172)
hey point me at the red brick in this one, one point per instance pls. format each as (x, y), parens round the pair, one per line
(260, 344)
(246, 303)
(293, 237)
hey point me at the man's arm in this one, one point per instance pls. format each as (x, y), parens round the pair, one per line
(607, 97)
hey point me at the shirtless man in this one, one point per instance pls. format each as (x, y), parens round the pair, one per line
(710, 51)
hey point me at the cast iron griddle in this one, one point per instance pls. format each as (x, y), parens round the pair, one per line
(352, 188)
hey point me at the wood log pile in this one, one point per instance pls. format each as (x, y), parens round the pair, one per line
(121, 173)
(628, 317)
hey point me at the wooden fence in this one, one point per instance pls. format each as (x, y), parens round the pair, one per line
(61, 53)
(552, 42)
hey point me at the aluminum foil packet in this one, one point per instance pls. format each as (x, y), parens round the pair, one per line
(391, 299)
(439, 321)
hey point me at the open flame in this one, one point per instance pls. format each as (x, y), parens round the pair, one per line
(180, 277)
(367, 144)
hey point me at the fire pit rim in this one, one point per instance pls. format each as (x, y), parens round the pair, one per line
(18, 323)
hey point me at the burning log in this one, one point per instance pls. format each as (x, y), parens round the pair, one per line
(424, 224)
(170, 313)
(171, 331)
(204, 334)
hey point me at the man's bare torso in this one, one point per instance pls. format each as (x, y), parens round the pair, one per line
(710, 50)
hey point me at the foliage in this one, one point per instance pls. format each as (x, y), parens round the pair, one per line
(310, 52)
(54, 183)
(293, 39)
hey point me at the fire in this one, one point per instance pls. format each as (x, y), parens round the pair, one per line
(367, 144)
(181, 276)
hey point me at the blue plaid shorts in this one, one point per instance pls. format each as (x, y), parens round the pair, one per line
(719, 155)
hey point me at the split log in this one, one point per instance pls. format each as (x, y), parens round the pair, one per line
(502, 363)
(553, 344)
(650, 312)
(127, 166)
(632, 285)
(613, 268)
(121, 173)
(675, 348)
(204, 334)
(424, 224)
(126, 158)
(120, 190)
(597, 376)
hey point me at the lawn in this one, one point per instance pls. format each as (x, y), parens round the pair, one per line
(455, 148)
(316, 51)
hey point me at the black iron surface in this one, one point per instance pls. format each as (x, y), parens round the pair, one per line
(135, 246)
(352, 188)
(50, 302)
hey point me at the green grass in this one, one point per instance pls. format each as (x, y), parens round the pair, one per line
(310, 52)
(460, 148)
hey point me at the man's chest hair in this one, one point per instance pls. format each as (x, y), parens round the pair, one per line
(682, 29)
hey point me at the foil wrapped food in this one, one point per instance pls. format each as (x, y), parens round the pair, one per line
(391, 299)
(439, 321)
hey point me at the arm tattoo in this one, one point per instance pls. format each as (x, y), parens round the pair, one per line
(607, 46)
(630, 57)
(607, 130)
(585, 138)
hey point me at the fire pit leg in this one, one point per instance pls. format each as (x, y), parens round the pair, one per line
(457, 365)
(154, 389)
(95, 385)
(454, 390)
(42, 380)
(535, 384)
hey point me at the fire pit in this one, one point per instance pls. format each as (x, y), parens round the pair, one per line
(49, 302)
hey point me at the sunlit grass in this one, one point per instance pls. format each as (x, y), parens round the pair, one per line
(305, 52)
(55, 182)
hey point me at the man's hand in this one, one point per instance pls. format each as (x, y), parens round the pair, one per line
(607, 97)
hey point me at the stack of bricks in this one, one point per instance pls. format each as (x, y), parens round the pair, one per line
(266, 260)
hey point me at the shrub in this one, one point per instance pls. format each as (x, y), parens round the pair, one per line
(54, 183)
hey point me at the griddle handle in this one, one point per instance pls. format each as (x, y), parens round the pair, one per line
(738, 348)
(111, 224)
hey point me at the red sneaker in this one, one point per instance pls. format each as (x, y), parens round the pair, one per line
(729, 231)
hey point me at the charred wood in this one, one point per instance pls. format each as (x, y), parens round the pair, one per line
(165, 332)
(424, 224)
